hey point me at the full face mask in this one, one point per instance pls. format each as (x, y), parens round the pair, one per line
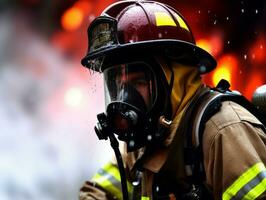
(137, 95)
(130, 94)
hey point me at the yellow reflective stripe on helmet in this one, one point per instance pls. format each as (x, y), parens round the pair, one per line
(108, 185)
(244, 180)
(145, 198)
(181, 22)
(256, 191)
(164, 19)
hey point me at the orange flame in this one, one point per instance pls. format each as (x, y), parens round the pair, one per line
(253, 83)
(258, 51)
(204, 44)
(227, 66)
(72, 18)
(213, 45)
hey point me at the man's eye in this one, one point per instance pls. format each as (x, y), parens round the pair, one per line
(139, 82)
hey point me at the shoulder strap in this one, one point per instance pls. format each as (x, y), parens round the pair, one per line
(205, 107)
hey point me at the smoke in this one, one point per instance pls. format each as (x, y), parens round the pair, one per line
(47, 147)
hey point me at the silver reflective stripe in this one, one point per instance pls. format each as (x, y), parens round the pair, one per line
(108, 177)
(111, 178)
(250, 185)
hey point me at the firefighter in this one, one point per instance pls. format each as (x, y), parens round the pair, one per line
(152, 77)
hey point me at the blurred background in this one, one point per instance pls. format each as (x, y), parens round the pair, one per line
(49, 103)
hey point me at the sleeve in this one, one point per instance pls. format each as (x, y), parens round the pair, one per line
(104, 185)
(89, 191)
(234, 160)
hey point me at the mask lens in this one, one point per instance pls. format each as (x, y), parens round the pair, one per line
(132, 83)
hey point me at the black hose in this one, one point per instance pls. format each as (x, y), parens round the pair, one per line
(115, 146)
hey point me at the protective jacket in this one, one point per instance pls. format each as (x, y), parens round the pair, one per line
(234, 155)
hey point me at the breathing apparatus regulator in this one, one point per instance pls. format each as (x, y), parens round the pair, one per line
(124, 43)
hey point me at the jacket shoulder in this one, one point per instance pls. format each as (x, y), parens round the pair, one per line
(231, 113)
(233, 142)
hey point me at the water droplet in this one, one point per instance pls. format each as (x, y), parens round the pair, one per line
(149, 137)
(135, 183)
(131, 143)
(157, 189)
(253, 56)
(256, 11)
(202, 68)
(228, 42)
(215, 21)
(245, 56)
(242, 10)
(199, 11)
(227, 18)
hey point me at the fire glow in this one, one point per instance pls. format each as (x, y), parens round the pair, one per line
(72, 19)
(73, 97)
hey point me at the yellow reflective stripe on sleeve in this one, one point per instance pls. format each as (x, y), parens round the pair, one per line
(107, 185)
(108, 177)
(145, 198)
(244, 179)
(112, 170)
(164, 19)
(256, 191)
(181, 22)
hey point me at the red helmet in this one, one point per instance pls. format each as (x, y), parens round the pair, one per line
(127, 28)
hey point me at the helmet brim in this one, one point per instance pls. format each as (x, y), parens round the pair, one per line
(183, 52)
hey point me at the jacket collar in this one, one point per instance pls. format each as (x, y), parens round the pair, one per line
(153, 159)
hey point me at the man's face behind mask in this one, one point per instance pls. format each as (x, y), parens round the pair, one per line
(132, 83)
(130, 93)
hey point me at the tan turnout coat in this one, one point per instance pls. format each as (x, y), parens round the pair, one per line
(234, 150)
